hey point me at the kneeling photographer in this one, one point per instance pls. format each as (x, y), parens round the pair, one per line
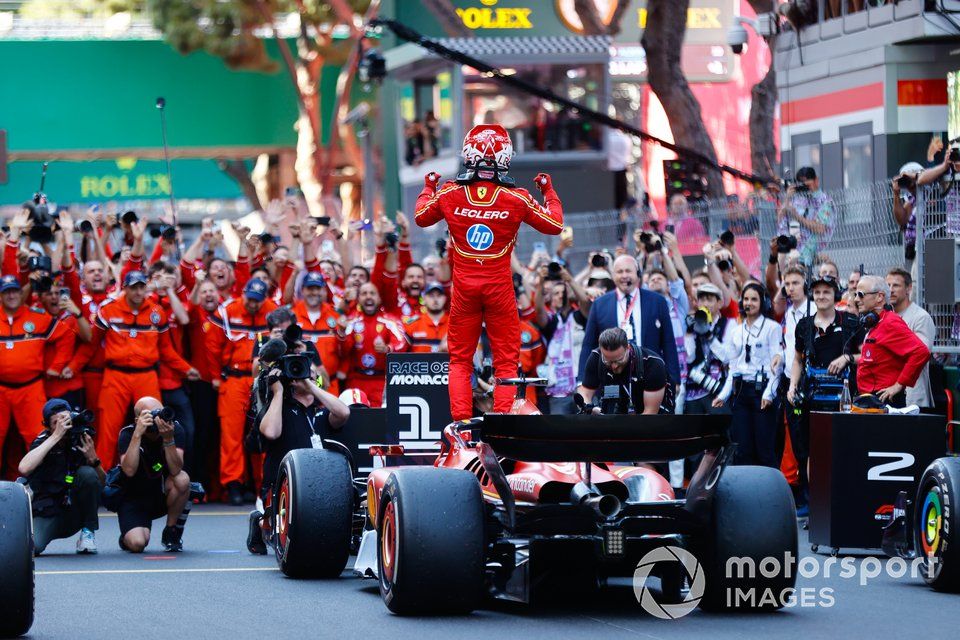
(707, 330)
(65, 475)
(631, 379)
(153, 482)
(297, 415)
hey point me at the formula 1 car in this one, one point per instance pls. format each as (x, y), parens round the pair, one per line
(516, 504)
(926, 526)
(16, 558)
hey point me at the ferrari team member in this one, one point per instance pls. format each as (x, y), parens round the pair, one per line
(483, 211)
(135, 336)
(23, 335)
(242, 323)
(367, 339)
(318, 320)
(892, 357)
(427, 332)
(532, 354)
(92, 293)
(204, 300)
(69, 388)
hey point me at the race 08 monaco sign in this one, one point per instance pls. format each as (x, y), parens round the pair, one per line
(418, 401)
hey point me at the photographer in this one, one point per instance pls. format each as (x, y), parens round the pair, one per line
(907, 204)
(298, 416)
(65, 475)
(807, 214)
(633, 379)
(707, 331)
(154, 482)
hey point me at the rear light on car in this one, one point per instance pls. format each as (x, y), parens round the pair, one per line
(613, 542)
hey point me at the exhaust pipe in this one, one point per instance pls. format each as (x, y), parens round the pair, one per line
(605, 506)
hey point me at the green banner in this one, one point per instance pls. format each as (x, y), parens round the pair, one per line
(121, 179)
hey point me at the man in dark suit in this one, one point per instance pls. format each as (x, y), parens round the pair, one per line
(642, 314)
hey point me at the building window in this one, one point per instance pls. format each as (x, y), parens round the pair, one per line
(806, 155)
(426, 107)
(857, 160)
(535, 124)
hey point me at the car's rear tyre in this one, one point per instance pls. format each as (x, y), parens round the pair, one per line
(313, 510)
(431, 551)
(936, 523)
(16, 558)
(754, 519)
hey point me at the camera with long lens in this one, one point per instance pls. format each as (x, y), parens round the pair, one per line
(786, 244)
(724, 265)
(82, 422)
(650, 242)
(392, 239)
(905, 182)
(554, 271)
(294, 366)
(164, 413)
(700, 377)
(954, 155)
(39, 214)
(699, 323)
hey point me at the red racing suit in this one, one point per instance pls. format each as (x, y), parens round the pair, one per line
(364, 366)
(484, 218)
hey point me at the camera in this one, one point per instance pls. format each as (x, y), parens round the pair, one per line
(39, 263)
(599, 261)
(737, 38)
(801, 187)
(786, 244)
(727, 238)
(164, 413)
(441, 246)
(554, 269)
(294, 366)
(649, 243)
(42, 229)
(905, 182)
(517, 283)
(724, 265)
(699, 322)
(700, 377)
(611, 400)
(84, 226)
(129, 217)
(954, 155)
(82, 425)
(164, 231)
(391, 239)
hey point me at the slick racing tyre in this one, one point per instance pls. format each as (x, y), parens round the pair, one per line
(753, 519)
(430, 556)
(936, 524)
(16, 560)
(314, 512)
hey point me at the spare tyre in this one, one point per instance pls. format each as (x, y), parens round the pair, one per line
(16, 560)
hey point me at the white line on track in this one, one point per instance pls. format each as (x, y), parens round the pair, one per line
(118, 571)
(193, 514)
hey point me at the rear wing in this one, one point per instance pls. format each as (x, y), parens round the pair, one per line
(589, 438)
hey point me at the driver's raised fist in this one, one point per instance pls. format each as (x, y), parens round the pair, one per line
(543, 182)
(431, 180)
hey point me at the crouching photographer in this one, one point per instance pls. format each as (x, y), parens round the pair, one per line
(293, 413)
(153, 482)
(64, 473)
(630, 379)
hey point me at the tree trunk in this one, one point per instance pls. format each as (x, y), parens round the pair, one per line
(663, 40)
(237, 169)
(310, 153)
(763, 104)
(592, 21)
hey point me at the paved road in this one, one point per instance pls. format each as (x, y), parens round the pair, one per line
(217, 590)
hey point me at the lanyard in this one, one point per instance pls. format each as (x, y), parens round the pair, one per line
(627, 315)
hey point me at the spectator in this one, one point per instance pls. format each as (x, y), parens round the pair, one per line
(892, 357)
(755, 356)
(807, 213)
(668, 283)
(907, 203)
(920, 322)
(830, 269)
(61, 509)
(644, 316)
(619, 158)
(849, 301)
(686, 227)
(563, 329)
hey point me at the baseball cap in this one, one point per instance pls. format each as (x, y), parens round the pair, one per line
(826, 279)
(354, 398)
(134, 277)
(314, 279)
(256, 289)
(53, 407)
(434, 286)
(8, 283)
(710, 289)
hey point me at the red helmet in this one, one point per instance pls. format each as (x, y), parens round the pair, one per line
(489, 142)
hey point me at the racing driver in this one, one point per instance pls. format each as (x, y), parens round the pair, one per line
(483, 210)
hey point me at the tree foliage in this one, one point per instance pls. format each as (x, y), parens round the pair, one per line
(77, 9)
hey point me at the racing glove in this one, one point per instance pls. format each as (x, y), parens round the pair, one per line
(544, 184)
(431, 180)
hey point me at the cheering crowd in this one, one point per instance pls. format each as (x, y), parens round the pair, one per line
(101, 320)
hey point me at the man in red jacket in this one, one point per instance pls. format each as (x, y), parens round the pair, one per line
(484, 211)
(892, 356)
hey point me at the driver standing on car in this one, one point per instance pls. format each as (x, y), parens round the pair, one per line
(298, 415)
(632, 379)
(484, 210)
